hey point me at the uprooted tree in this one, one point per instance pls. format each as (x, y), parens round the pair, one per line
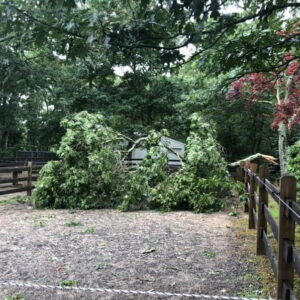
(203, 180)
(92, 172)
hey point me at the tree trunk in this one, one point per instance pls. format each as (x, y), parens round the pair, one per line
(282, 148)
(283, 131)
(5, 138)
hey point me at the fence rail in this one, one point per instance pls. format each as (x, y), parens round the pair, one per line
(258, 188)
(12, 177)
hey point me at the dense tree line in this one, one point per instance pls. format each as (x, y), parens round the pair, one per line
(65, 56)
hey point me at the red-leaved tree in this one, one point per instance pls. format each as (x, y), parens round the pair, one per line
(283, 86)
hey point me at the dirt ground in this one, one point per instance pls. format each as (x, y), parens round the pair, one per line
(10, 196)
(176, 252)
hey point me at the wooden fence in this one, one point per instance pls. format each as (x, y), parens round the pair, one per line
(14, 180)
(258, 189)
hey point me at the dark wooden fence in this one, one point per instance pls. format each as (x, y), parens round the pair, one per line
(258, 189)
(35, 156)
(12, 177)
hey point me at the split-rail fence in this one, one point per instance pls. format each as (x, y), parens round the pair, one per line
(258, 188)
(18, 176)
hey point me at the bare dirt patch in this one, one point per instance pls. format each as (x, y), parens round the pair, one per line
(145, 250)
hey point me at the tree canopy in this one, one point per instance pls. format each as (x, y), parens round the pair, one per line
(150, 33)
(144, 65)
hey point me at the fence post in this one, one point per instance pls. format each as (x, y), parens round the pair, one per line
(15, 178)
(252, 205)
(29, 180)
(286, 232)
(261, 219)
(239, 174)
(251, 223)
(246, 181)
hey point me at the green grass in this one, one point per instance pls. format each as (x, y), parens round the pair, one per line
(100, 266)
(274, 209)
(74, 223)
(68, 283)
(16, 200)
(209, 254)
(89, 230)
(15, 297)
(250, 292)
(39, 224)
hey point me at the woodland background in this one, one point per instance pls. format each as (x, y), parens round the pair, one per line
(62, 57)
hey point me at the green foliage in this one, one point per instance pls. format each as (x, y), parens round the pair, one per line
(58, 58)
(151, 171)
(200, 185)
(203, 181)
(294, 163)
(89, 173)
(62, 57)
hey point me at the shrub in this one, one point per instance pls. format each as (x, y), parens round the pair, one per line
(294, 163)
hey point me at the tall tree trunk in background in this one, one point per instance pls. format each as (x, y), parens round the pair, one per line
(4, 137)
(282, 147)
(283, 132)
(6, 134)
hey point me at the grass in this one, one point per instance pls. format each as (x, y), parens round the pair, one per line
(89, 230)
(250, 292)
(74, 223)
(209, 254)
(263, 266)
(69, 283)
(100, 266)
(274, 209)
(39, 224)
(41, 221)
(233, 214)
(261, 281)
(16, 200)
(15, 297)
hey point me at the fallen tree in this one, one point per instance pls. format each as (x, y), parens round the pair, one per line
(91, 172)
(255, 158)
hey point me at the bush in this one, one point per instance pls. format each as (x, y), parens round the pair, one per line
(294, 163)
